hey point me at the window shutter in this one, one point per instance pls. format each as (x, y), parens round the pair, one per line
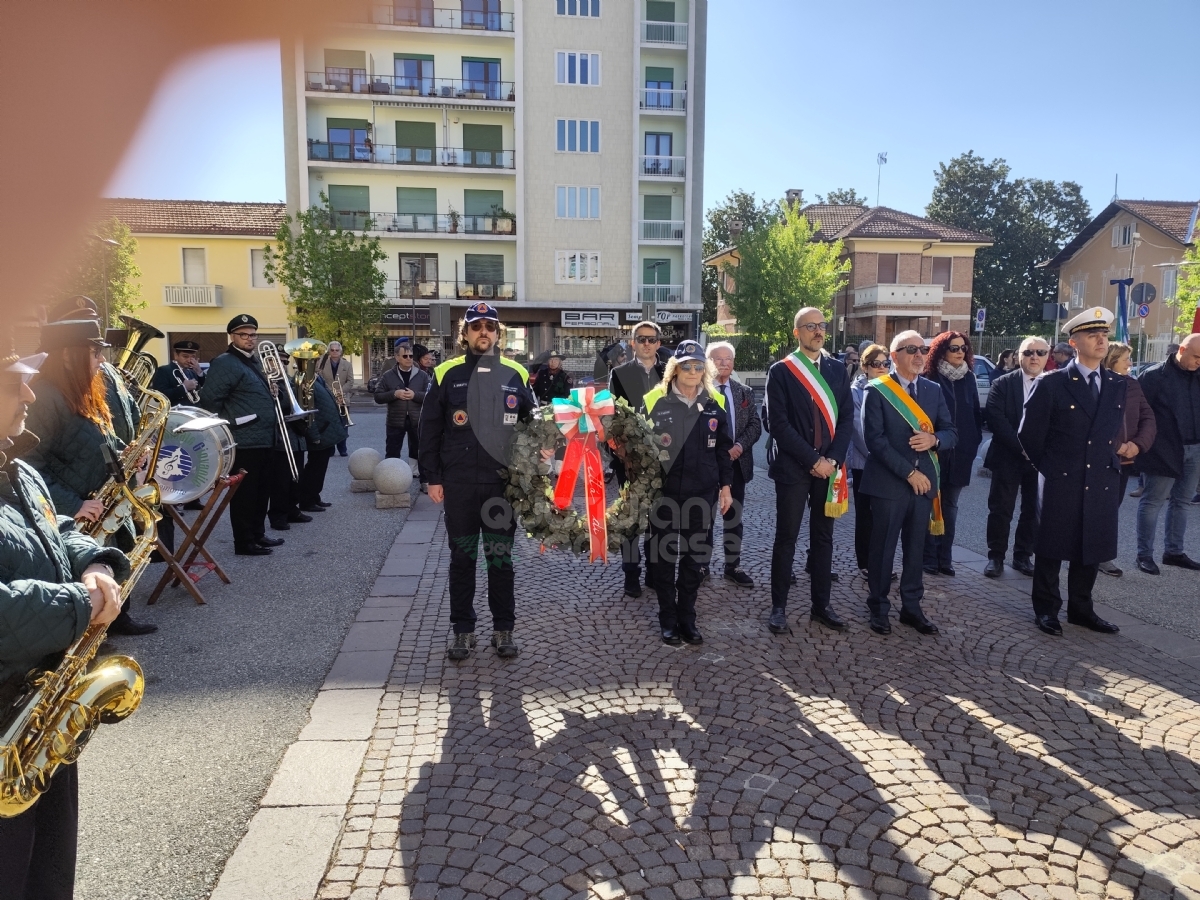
(349, 197)
(656, 208)
(480, 203)
(483, 137)
(484, 268)
(660, 11)
(195, 270)
(416, 201)
(416, 134)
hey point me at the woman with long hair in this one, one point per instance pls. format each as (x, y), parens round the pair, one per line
(951, 365)
(1007, 361)
(875, 362)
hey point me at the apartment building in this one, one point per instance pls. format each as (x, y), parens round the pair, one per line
(543, 155)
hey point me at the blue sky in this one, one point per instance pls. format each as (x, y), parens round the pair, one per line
(804, 94)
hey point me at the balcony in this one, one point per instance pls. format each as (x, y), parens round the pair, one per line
(389, 155)
(661, 166)
(660, 293)
(658, 230)
(414, 15)
(192, 295)
(411, 86)
(422, 223)
(398, 290)
(673, 34)
(655, 100)
(900, 296)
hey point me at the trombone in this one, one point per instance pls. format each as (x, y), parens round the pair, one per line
(193, 397)
(276, 374)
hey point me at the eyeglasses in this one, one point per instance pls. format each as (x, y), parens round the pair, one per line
(245, 334)
(483, 325)
(878, 364)
(1029, 353)
(814, 327)
(404, 355)
(691, 366)
(913, 349)
(647, 339)
(852, 359)
(957, 348)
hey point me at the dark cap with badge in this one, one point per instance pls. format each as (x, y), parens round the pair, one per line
(481, 311)
(72, 309)
(186, 346)
(239, 322)
(72, 333)
(689, 350)
(554, 354)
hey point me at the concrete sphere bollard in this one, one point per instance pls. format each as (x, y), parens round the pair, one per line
(363, 462)
(393, 477)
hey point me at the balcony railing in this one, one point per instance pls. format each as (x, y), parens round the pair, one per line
(674, 33)
(192, 294)
(398, 290)
(662, 166)
(387, 154)
(414, 15)
(423, 223)
(660, 293)
(656, 100)
(658, 230)
(892, 295)
(412, 86)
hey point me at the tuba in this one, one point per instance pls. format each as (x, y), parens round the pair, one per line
(138, 366)
(308, 351)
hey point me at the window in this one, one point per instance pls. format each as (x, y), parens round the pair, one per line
(1170, 283)
(941, 271)
(578, 136)
(577, 68)
(579, 8)
(660, 85)
(258, 269)
(348, 140)
(658, 144)
(414, 73)
(346, 69)
(656, 207)
(576, 267)
(426, 268)
(195, 266)
(888, 263)
(481, 14)
(416, 210)
(1122, 235)
(1078, 289)
(483, 145)
(577, 202)
(481, 78)
(416, 142)
(660, 11)
(413, 12)
(350, 205)
(484, 273)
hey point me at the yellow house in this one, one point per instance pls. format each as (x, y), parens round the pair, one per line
(202, 264)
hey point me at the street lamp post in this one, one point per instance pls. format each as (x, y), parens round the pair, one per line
(414, 267)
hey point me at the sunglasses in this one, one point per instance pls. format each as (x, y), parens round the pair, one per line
(957, 348)
(1029, 353)
(912, 350)
(691, 366)
(483, 325)
(647, 339)
(814, 327)
(878, 364)
(404, 355)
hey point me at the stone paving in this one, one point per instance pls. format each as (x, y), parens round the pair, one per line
(988, 761)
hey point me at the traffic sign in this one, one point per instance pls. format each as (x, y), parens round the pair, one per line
(1143, 310)
(1143, 292)
(980, 318)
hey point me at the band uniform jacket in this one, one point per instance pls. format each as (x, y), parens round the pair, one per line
(1070, 435)
(164, 382)
(236, 387)
(748, 426)
(695, 442)
(790, 413)
(1005, 407)
(126, 416)
(886, 434)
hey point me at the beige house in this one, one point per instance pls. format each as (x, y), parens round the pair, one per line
(1140, 239)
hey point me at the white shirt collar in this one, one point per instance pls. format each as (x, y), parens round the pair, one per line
(1087, 373)
(904, 382)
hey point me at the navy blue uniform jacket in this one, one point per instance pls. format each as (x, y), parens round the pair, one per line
(695, 443)
(886, 434)
(789, 418)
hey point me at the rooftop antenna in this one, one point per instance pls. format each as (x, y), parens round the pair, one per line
(880, 162)
(1115, 194)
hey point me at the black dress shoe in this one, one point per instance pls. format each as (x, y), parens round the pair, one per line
(298, 517)
(947, 571)
(252, 550)
(919, 622)
(929, 570)
(633, 587)
(881, 625)
(324, 504)
(312, 507)
(1110, 568)
(1095, 623)
(994, 568)
(193, 505)
(124, 624)
(793, 578)
(690, 635)
(703, 574)
(671, 636)
(269, 542)
(1147, 565)
(1024, 566)
(738, 576)
(1182, 560)
(281, 526)
(828, 618)
(833, 576)
(778, 621)
(1049, 624)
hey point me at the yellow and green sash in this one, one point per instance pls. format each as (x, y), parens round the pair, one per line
(918, 420)
(837, 501)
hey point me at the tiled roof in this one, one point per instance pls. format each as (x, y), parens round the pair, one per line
(1175, 218)
(842, 222)
(196, 216)
(832, 218)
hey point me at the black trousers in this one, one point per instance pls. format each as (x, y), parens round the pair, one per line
(680, 532)
(248, 508)
(37, 848)
(474, 510)
(862, 522)
(790, 500)
(732, 528)
(1047, 601)
(285, 493)
(395, 438)
(905, 520)
(1002, 499)
(312, 479)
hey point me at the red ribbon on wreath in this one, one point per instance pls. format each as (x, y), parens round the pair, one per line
(578, 418)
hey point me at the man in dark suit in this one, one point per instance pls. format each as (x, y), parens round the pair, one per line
(1010, 467)
(809, 440)
(1069, 432)
(901, 479)
(745, 426)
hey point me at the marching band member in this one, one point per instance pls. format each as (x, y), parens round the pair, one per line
(181, 379)
(325, 432)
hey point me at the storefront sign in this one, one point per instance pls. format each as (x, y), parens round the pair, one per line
(402, 315)
(663, 317)
(591, 319)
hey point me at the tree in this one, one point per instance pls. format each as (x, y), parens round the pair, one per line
(1187, 291)
(1029, 219)
(106, 272)
(739, 205)
(842, 197)
(781, 270)
(335, 287)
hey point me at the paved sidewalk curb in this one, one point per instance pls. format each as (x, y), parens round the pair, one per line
(289, 841)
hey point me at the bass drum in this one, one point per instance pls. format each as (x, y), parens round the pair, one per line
(197, 449)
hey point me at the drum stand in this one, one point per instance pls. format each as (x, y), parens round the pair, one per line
(192, 545)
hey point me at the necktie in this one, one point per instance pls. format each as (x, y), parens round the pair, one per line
(728, 391)
(1094, 383)
(912, 389)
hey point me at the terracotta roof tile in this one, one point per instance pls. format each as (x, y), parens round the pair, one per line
(196, 216)
(1174, 217)
(841, 222)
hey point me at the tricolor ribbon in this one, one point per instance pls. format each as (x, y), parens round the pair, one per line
(578, 417)
(918, 420)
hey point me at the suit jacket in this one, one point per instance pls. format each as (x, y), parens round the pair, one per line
(345, 372)
(1005, 407)
(886, 434)
(790, 415)
(748, 426)
(632, 382)
(1164, 386)
(1070, 436)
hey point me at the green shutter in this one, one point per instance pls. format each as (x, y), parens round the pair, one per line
(657, 208)
(660, 74)
(416, 201)
(416, 134)
(660, 276)
(480, 203)
(353, 124)
(481, 59)
(484, 268)
(349, 197)
(660, 11)
(421, 56)
(483, 137)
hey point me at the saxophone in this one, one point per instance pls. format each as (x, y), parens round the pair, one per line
(56, 712)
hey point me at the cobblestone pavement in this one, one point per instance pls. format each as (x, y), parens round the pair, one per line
(989, 761)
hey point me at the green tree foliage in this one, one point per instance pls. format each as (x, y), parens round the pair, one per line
(781, 270)
(1030, 220)
(1187, 292)
(739, 205)
(842, 197)
(335, 287)
(106, 272)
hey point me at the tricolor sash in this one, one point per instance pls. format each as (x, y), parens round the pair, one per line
(837, 501)
(918, 420)
(578, 417)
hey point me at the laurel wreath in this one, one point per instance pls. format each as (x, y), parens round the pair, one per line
(530, 489)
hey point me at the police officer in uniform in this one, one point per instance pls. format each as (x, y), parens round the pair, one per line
(186, 361)
(467, 423)
(1069, 433)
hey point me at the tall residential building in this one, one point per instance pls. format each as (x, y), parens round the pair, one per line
(543, 155)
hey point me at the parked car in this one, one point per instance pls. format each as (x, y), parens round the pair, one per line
(985, 373)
